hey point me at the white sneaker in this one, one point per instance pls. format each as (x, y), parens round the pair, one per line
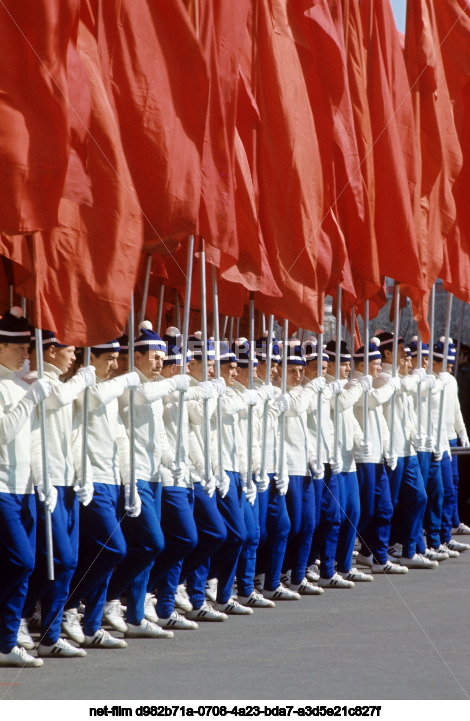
(211, 590)
(258, 582)
(182, 599)
(71, 626)
(20, 657)
(233, 608)
(256, 600)
(418, 561)
(147, 629)
(149, 608)
(311, 574)
(61, 649)
(436, 554)
(23, 638)
(285, 579)
(356, 575)
(177, 623)
(389, 568)
(431, 554)
(457, 546)
(450, 552)
(103, 639)
(281, 593)
(114, 615)
(364, 560)
(396, 550)
(335, 582)
(461, 530)
(206, 613)
(305, 588)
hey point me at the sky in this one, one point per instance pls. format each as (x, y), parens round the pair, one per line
(399, 10)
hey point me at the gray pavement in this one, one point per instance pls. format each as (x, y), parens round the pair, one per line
(405, 637)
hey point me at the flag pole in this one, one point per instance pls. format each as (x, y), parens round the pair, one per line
(459, 339)
(337, 372)
(365, 423)
(230, 331)
(444, 369)
(419, 410)
(251, 341)
(396, 325)
(160, 308)
(131, 334)
(352, 336)
(282, 428)
(215, 307)
(320, 395)
(145, 290)
(432, 308)
(224, 332)
(177, 309)
(184, 349)
(86, 401)
(45, 460)
(267, 382)
(205, 374)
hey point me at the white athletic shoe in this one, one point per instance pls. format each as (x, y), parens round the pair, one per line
(182, 599)
(258, 582)
(103, 639)
(147, 629)
(335, 582)
(436, 554)
(149, 608)
(20, 657)
(285, 579)
(23, 638)
(312, 574)
(60, 649)
(281, 593)
(233, 608)
(396, 550)
(305, 588)
(450, 552)
(418, 561)
(114, 615)
(211, 590)
(364, 560)
(461, 530)
(457, 546)
(71, 626)
(206, 613)
(177, 623)
(389, 568)
(256, 600)
(356, 575)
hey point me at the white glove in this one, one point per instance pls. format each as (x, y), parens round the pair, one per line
(268, 392)
(391, 459)
(445, 378)
(418, 442)
(282, 484)
(209, 484)
(366, 382)
(251, 397)
(421, 373)
(336, 388)
(366, 448)
(132, 510)
(429, 444)
(220, 385)
(206, 389)
(438, 455)
(320, 472)
(130, 380)
(263, 483)
(181, 382)
(179, 473)
(312, 466)
(317, 384)
(463, 438)
(39, 390)
(430, 380)
(337, 465)
(250, 493)
(223, 485)
(51, 499)
(85, 492)
(89, 375)
(282, 404)
(395, 382)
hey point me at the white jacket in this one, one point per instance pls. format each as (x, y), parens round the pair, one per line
(349, 430)
(377, 430)
(233, 448)
(298, 444)
(272, 429)
(404, 430)
(454, 419)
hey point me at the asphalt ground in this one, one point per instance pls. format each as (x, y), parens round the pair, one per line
(400, 637)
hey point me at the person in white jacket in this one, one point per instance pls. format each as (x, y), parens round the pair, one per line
(18, 403)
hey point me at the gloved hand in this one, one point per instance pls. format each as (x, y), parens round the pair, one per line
(51, 499)
(84, 492)
(337, 465)
(179, 473)
(220, 385)
(430, 380)
(366, 382)
(206, 389)
(391, 459)
(223, 485)
(132, 510)
(366, 448)
(312, 466)
(250, 493)
(209, 484)
(437, 455)
(320, 472)
(130, 380)
(282, 404)
(251, 397)
(421, 373)
(429, 444)
(181, 382)
(395, 382)
(418, 442)
(89, 375)
(39, 391)
(317, 384)
(268, 392)
(463, 438)
(282, 484)
(263, 483)
(444, 377)
(336, 388)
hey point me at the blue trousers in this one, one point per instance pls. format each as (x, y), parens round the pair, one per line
(246, 567)
(316, 544)
(449, 498)
(224, 561)
(17, 557)
(409, 499)
(300, 500)
(455, 476)
(350, 510)
(102, 547)
(274, 525)
(53, 594)
(145, 541)
(179, 529)
(212, 535)
(376, 510)
(330, 520)
(432, 477)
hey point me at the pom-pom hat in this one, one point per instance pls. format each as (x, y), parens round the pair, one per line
(374, 353)
(414, 348)
(14, 328)
(344, 354)
(241, 349)
(195, 347)
(148, 339)
(225, 354)
(112, 346)
(261, 349)
(295, 356)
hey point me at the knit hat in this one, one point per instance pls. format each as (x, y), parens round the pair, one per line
(124, 344)
(261, 346)
(374, 353)
(112, 346)
(225, 354)
(148, 339)
(241, 348)
(295, 356)
(438, 352)
(195, 347)
(386, 341)
(14, 328)
(174, 344)
(344, 354)
(414, 348)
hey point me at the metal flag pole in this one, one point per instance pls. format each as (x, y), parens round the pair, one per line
(215, 307)
(160, 308)
(45, 460)
(131, 334)
(432, 307)
(267, 382)
(459, 337)
(365, 422)
(177, 309)
(86, 401)
(230, 331)
(282, 427)
(184, 349)
(205, 374)
(145, 290)
(224, 332)
(337, 372)
(320, 395)
(396, 325)
(420, 363)
(440, 422)
(251, 342)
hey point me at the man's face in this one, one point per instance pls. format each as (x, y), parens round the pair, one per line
(104, 364)
(61, 358)
(122, 365)
(13, 355)
(244, 375)
(344, 369)
(149, 363)
(229, 372)
(424, 362)
(294, 375)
